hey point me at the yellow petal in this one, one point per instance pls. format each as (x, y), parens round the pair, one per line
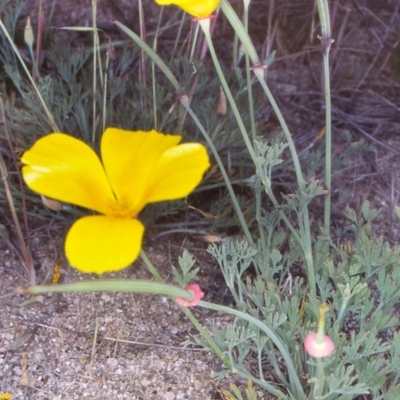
(197, 8)
(66, 169)
(178, 171)
(129, 159)
(99, 244)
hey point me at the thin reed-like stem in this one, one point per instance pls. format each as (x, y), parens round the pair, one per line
(305, 237)
(294, 379)
(326, 42)
(188, 313)
(94, 82)
(37, 91)
(24, 249)
(259, 69)
(258, 188)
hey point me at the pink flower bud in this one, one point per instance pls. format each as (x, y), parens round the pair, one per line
(197, 295)
(318, 349)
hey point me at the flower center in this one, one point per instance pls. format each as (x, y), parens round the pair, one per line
(121, 209)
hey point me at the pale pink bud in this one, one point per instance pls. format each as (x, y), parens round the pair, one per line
(197, 295)
(316, 348)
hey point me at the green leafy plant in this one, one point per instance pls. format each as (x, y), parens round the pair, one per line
(285, 266)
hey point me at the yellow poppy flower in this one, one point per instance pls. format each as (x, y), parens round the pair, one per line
(199, 8)
(136, 168)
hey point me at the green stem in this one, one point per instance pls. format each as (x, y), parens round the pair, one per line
(248, 77)
(306, 244)
(207, 338)
(305, 239)
(320, 380)
(24, 249)
(293, 152)
(257, 189)
(154, 84)
(328, 145)
(33, 59)
(150, 266)
(189, 314)
(326, 41)
(205, 24)
(323, 12)
(94, 82)
(250, 51)
(49, 116)
(113, 285)
(294, 379)
(194, 43)
(262, 383)
(185, 102)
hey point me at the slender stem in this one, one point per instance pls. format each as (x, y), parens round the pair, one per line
(29, 42)
(248, 77)
(259, 218)
(178, 35)
(152, 54)
(294, 379)
(112, 285)
(326, 42)
(259, 70)
(205, 24)
(245, 40)
(288, 136)
(210, 144)
(304, 218)
(39, 39)
(250, 99)
(250, 50)
(24, 249)
(328, 145)
(150, 266)
(306, 244)
(40, 97)
(207, 338)
(320, 380)
(262, 383)
(154, 83)
(94, 82)
(346, 296)
(194, 43)
(323, 12)
(305, 238)
(105, 90)
(189, 314)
